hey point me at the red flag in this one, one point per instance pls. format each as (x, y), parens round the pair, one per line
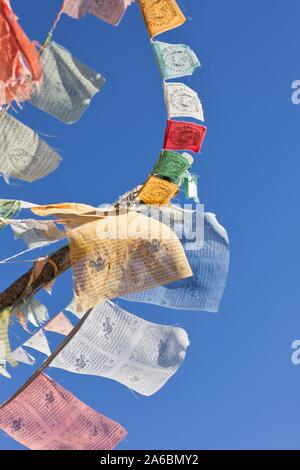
(20, 66)
(184, 136)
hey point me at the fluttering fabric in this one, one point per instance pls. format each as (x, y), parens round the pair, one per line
(39, 342)
(161, 15)
(59, 324)
(45, 416)
(175, 60)
(115, 344)
(210, 264)
(111, 11)
(182, 135)
(190, 186)
(68, 85)
(20, 355)
(157, 191)
(172, 165)
(23, 154)
(36, 233)
(33, 311)
(67, 208)
(3, 371)
(5, 351)
(20, 68)
(8, 209)
(120, 254)
(181, 100)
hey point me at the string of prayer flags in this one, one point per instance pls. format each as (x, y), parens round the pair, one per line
(23, 154)
(181, 100)
(175, 60)
(45, 416)
(59, 324)
(111, 11)
(38, 342)
(68, 85)
(120, 254)
(161, 16)
(115, 344)
(209, 263)
(20, 68)
(182, 135)
(172, 165)
(20, 355)
(157, 191)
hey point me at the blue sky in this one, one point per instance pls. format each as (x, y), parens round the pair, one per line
(237, 388)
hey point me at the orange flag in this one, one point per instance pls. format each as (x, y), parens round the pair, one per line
(20, 67)
(161, 15)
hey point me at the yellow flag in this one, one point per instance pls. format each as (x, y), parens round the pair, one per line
(67, 208)
(161, 15)
(157, 191)
(120, 254)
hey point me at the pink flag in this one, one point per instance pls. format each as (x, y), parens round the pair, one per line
(60, 324)
(45, 416)
(110, 11)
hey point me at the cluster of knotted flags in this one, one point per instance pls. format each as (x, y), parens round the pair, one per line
(140, 249)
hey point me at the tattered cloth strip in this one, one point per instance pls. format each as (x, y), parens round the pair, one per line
(36, 233)
(172, 165)
(68, 85)
(181, 135)
(38, 342)
(20, 68)
(182, 101)
(21, 204)
(23, 154)
(115, 344)
(120, 254)
(8, 209)
(45, 416)
(111, 11)
(209, 264)
(5, 352)
(67, 208)
(157, 191)
(20, 355)
(161, 15)
(59, 324)
(31, 310)
(175, 60)
(3, 370)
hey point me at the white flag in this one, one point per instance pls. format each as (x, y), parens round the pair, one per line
(182, 101)
(60, 324)
(115, 344)
(20, 355)
(34, 311)
(39, 342)
(4, 372)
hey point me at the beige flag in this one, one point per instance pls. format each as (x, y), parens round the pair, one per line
(59, 324)
(120, 254)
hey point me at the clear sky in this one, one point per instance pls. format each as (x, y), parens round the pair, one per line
(237, 388)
